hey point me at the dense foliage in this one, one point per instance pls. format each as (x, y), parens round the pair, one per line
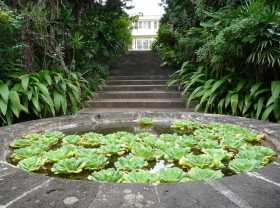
(228, 53)
(190, 151)
(48, 48)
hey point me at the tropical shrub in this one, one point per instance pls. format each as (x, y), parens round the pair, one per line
(48, 48)
(41, 94)
(228, 55)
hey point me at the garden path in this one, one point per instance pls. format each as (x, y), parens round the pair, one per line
(137, 83)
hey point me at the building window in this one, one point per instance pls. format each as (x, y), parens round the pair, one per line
(140, 24)
(136, 26)
(145, 44)
(143, 25)
(139, 44)
(149, 24)
(156, 25)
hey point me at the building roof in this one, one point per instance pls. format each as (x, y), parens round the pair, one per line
(148, 17)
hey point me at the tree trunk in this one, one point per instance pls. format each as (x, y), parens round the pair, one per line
(27, 41)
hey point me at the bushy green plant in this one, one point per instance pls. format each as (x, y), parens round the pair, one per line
(41, 94)
(228, 55)
(47, 50)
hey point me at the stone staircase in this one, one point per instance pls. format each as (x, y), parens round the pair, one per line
(131, 89)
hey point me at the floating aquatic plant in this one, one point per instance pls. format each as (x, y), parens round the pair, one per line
(191, 151)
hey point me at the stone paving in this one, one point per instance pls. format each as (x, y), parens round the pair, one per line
(19, 189)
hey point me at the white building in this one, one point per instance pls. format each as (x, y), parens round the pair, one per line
(144, 32)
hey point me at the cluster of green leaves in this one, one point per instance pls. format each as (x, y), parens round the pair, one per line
(71, 39)
(228, 94)
(10, 25)
(197, 152)
(42, 94)
(228, 55)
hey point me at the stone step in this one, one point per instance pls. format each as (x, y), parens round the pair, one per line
(102, 110)
(140, 77)
(137, 94)
(136, 82)
(136, 103)
(138, 88)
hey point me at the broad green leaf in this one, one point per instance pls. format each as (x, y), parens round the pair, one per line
(221, 105)
(276, 109)
(43, 89)
(267, 112)
(255, 88)
(15, 103)
(260, 106)
(25, 81)
(57, 100)
(64, 104)
(240, 86)
(3, 107)
(49, 102)
(275, 89)
(45, 74)
(262, 91)
(4, 91)
(270, 101)
(234, 103)
(74, 104)
(247, 104)
(35, 100)
(228, 99)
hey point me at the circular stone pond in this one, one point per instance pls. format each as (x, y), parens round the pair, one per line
(258, 188)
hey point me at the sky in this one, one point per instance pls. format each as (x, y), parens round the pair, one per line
(147, 7)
